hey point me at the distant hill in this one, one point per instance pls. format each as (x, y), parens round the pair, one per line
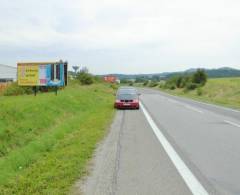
(212, 73)
(223, 72)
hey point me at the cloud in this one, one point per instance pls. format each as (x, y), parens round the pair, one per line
(154, 35)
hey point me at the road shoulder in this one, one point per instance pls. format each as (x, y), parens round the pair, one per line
(102, 168)
(132, 161)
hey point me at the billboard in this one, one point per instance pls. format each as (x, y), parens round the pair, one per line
(41, 74)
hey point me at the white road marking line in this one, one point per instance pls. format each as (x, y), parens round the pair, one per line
(232, 123)
(217, 106)
(194, 109)
(192, 182)
(199, 102)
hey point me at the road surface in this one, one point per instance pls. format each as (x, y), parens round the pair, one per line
(134, 160)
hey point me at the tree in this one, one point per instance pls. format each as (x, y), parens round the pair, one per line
(200, 77)
(140, 80)
(84, 77)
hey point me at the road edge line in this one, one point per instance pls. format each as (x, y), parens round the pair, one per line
(201, 102)
(232, 123)
(191, 181)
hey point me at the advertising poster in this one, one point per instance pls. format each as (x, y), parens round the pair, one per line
(40, 75)
(28, 75)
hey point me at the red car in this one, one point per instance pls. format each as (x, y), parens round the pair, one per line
(127, 97)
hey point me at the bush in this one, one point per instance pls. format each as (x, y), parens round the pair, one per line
(172, 87)
(199, 91)
(199, 77)
(145, 83)
(140, 80)
(188, 82)
(130, 83)
(186, 79)
(191, 86)
(85, 78)
(14, 89)
(179, 81)
(153, 84)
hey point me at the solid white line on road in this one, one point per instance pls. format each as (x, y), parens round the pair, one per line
(232, 123)
(192, 182)
(199, 102)
(194, 109)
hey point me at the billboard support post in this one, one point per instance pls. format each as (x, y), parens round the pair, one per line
(56, 90)
(35, 90)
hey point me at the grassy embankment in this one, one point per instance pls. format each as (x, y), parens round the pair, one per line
(222, 91)
(47, 140)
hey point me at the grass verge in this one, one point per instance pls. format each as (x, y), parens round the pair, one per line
(46, 141)
(221, 91)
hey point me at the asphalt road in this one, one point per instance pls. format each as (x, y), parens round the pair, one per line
(131, 160)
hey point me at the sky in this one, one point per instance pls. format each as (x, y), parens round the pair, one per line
(122, 36)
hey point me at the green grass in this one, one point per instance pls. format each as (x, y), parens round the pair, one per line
(47, 140)
(222, 91)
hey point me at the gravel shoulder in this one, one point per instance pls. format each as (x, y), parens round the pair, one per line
(131, 161)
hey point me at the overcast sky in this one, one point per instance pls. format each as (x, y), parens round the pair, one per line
(122, 36)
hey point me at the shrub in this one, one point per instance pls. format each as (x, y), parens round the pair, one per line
(179, 81)
(186, 79)
(124, 81)
(145, 83)
(191, 86)
(189, 82)
(153, 84)
(140, 80)
(14, 89)
(172, 87)
(199, 77)
(85, 78)
(130, 83)
(199, 91)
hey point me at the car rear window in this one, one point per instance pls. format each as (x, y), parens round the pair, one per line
(127, 91)
(129, 96)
